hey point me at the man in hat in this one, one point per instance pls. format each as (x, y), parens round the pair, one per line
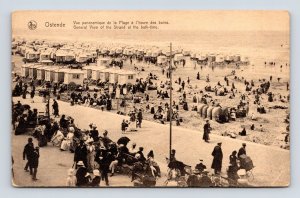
(97, 179)
(94, 133)
(200, 167)
(27, 153)
(207, 130)
(80, 153)
(242, 150)
(104, 158)
(218, 157)
(106, 140)
(34, 163)
(205, 181)
(82, 176)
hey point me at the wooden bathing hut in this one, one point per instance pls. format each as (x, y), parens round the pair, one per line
(216, 112)
(33, 71)
(204, 111)
(75, 76)
(59, 75)
(209, 112)
(96, 73)
(126, 77)
(103, 62)
(88, 70)
(40, 73)
(200, 107)
(25, 70)
(113, 74)
(49, 73)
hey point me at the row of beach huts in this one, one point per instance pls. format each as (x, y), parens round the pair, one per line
(66, 52)
(65, 75)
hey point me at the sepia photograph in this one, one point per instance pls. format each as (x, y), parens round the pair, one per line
(172, 99)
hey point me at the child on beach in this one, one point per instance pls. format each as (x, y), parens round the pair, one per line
(71, 179)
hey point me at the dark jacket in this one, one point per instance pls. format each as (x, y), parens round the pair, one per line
(82, 180)
(95, 182)
(80, 154)
(218, 157)
(200, 167)
(28, 151)
(242, 151)
(94, 135)
(34, 163)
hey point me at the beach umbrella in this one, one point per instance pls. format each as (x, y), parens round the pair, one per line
(123, 140)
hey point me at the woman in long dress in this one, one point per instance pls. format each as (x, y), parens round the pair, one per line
(67, 143)
(132, 125)
(57, 138)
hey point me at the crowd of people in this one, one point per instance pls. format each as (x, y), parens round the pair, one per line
(95, 154)
(240, 163)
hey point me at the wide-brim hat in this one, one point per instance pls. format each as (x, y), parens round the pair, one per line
(96, 172)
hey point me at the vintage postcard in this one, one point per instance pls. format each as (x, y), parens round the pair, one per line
(150, 99)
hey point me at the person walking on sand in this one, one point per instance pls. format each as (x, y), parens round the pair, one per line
(55, 108)
(206, 132)
(140, 118)
(27, 153)
(217, 158)
(35, 162)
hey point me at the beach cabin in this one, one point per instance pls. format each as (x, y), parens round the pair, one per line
(111, 52)
(45, 55)
(211, 58)
(49, 73)
(126, 77)
(161, 60)
(119, 51)
(88, 71)
(32, 56)
(96, 73)
(59, 75)
(219, 59)
(40, 73)
(103, 62)
(110, 75)
(237, 58)
(82, 58)
(33, 71)
(25, 70)
(128, 52)
(244, 60)
(178, 57)
(73, 76)
(229, 58)
(62, 56)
